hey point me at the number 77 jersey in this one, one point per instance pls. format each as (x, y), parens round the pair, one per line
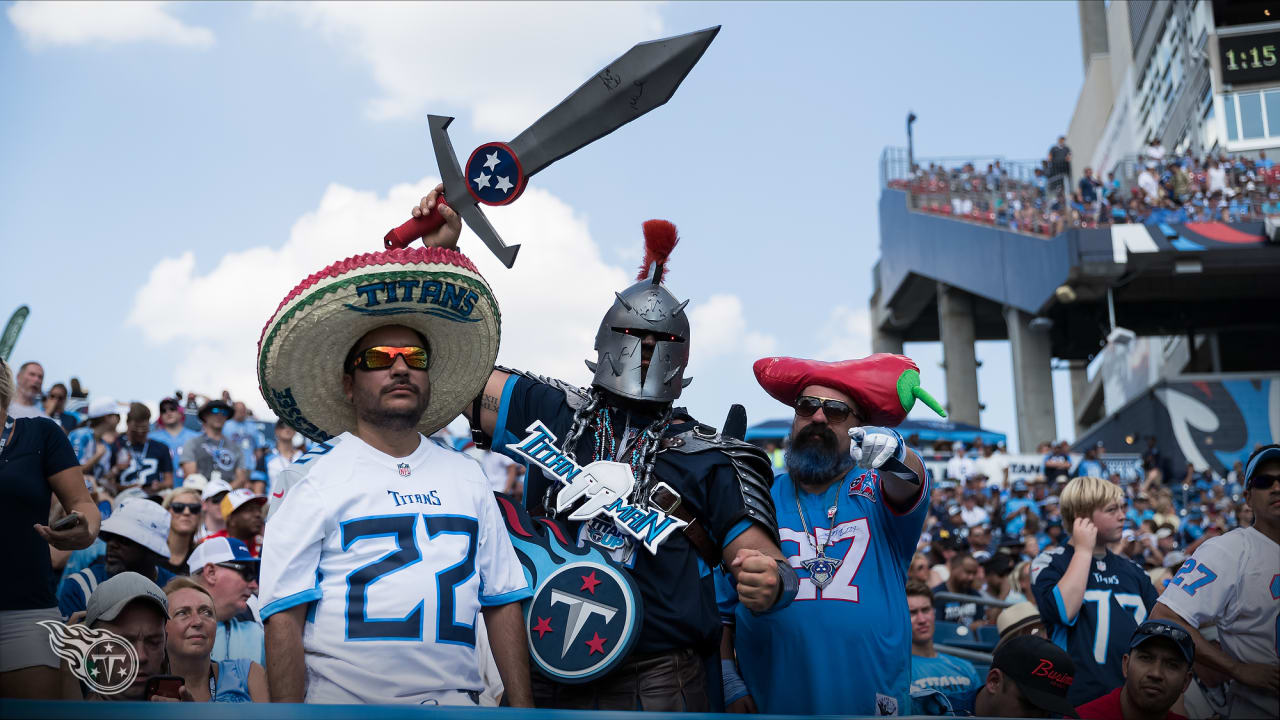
(1117, 599)
(393, 557)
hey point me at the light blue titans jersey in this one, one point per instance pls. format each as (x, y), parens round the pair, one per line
(845, 649)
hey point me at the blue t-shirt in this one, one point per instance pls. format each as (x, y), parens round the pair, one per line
(1015, 525)
(174, 443)
(75, 590)
(952, 676)
(1088, 468)
(845, 649)
(84, 445)
(1117, 599)
(37, 451)
(678, 590)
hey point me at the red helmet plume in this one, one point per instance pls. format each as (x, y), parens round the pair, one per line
(660, 239)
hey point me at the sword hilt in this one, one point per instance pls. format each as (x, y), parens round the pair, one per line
(414, 229)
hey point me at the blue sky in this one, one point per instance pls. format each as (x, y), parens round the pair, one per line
(171, 171)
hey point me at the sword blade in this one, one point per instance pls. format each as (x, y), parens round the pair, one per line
(643, 78)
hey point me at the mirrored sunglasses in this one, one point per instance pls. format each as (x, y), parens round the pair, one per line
(834, 410)
(382, 357)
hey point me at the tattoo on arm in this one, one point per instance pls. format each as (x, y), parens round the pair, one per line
(489, 402)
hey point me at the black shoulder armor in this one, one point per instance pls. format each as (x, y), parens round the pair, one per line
(576, 397)
(750, 464)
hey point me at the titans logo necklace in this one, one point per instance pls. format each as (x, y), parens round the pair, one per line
(821, 568)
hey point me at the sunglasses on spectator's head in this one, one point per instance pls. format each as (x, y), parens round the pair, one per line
(180, 508)
(834, 410)
(382, 357)
(1262, 482)
(219, 411)
(248, 571)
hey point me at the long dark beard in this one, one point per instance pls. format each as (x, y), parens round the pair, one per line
(814, 459)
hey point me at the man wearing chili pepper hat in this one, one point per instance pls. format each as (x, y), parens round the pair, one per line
(850, 509)
(667, 498)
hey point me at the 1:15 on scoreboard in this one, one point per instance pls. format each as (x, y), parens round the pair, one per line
(1249, 58)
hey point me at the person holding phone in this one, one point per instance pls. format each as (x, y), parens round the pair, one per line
(190, 634)
(36, 463)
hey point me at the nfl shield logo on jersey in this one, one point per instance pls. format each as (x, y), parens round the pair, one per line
(404, 469)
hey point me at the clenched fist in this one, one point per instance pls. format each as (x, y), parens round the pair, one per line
(446, 236)
(757, 577)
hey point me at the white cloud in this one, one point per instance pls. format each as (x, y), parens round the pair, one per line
(44, 24)
(719, 328)
(507, 63)
(847, 332)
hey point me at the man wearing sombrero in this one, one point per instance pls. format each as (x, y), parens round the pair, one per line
(383, 546)
(850, 509)
(630, 473)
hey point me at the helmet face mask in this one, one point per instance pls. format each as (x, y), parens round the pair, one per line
(644, 308)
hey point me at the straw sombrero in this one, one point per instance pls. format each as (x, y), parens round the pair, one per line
(435, 291)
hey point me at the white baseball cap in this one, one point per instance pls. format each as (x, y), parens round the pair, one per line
(219, 550)
(102, 407)
(233, 500)
(194, 481)
(141, 521)
(213, 487)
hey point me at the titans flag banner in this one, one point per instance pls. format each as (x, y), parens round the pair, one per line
(605, 485)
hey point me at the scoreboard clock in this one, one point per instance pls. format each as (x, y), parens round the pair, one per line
(1247, 59)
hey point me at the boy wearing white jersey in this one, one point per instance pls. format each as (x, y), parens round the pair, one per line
(382, 546)
(1233, 582)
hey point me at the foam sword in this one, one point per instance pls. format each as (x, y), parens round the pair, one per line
(496, 173)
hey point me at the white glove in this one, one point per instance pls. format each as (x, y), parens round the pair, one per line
(871, 447)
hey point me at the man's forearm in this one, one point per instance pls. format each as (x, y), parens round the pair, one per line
(902, 492)
(505, 625)
(286, 671)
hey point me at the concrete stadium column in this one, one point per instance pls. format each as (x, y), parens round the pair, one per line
(1079, 373)
(882, 341)
(1032, 380)
(956, 329)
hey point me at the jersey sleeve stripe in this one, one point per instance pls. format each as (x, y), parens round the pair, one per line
(284, 603)
(739, 528)
(504, 404)
(1062, 609)
(505, 598)
(925, 491)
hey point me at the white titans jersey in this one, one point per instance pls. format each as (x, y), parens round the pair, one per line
(398, 555)
(1233, 582)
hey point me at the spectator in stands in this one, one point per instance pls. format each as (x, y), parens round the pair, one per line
(998, 573)
(994, 465)
(242, 431)
(150, 464)
(980, 538)
(1029, 677)
(1057, 461)
(1149, 185)
(960, 466)
(1018, 510)
(282, 454)
(184, 506)
(1089, 465)
(1091, 599)
(55, 407)
(213, 454)
(1157, 670)
(1022, 580)
(1230, 582)
(950, 675)
(243, 512)
(1089, 188)
(36, 463)
(919, 568)
(133, 607)
(92, 444)
(1060, 163)
(190, 636)
(224, 567)
(212, 520)
(963, 572)
(173, 433)
(25, 402)
(1019, 619)
(137, 539)
(972, 513)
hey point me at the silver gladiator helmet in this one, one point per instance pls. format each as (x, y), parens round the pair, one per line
(645, 308)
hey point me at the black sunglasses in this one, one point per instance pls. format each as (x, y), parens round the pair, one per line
(834, 410)
(248, 571)
(181, 508)
(1263, 482)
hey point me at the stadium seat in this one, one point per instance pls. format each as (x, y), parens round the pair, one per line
(989, 635)
(955, 635)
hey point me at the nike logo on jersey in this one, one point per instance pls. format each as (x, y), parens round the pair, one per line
(427, 498)
(277, 494)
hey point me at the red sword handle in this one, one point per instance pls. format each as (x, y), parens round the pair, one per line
(414, 228)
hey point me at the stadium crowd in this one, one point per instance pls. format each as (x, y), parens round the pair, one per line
(165, 546)
(1156, 187)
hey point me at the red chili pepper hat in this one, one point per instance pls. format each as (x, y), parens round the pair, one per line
(885, 387)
